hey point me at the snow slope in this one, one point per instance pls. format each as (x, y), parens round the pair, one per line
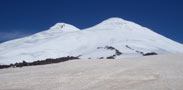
(161, 72)
(61, 40)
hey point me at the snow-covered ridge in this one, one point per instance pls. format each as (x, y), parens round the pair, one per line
(61, 40)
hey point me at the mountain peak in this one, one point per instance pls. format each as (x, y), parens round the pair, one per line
(114, 23)
(114, 20)
(64, 27)
(58, 26)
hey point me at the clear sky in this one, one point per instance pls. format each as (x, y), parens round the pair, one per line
(19, 18)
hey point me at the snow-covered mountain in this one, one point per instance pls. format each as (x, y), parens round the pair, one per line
(114, 37)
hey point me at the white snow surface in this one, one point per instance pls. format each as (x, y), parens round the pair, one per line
(63, 40)
(160, 72)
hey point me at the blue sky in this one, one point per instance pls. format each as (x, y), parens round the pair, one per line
(19, 18)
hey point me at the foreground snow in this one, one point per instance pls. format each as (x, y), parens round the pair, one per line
(163, 72)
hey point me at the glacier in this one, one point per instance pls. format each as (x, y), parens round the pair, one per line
(62, 39)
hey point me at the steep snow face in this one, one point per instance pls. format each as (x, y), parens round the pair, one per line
(114, 37)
